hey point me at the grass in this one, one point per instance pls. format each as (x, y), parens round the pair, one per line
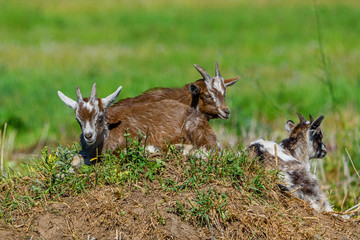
(292, 56)
(49, 178)
(55, 47)
(230, 191)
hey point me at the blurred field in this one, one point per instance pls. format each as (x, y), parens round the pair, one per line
(47, 46)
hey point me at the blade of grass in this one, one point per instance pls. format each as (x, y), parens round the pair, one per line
(357, 173)
(2, 143)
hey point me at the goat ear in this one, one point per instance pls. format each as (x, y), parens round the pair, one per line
(68, 101)
(289, 126)
(111, 98)
(231, 81)
(316, 123)
(195, 90)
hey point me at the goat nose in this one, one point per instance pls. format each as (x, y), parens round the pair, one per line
(324, 148)
(323, 151)
(226, 111)
(88, 135)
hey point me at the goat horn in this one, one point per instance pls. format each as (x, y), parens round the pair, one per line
(93, 92)
(311, 118)
(217, 70)
(301, 118)
(78, 94)
(203, 73)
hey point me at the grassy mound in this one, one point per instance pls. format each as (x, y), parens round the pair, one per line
(136, 195)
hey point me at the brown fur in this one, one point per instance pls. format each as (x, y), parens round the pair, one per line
(162, 122)
(173, 115)
(182, 95)
(85, 113)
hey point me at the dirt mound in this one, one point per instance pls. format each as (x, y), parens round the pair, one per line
(136, 196)
(105, 213)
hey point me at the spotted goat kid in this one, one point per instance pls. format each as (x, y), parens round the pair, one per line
(162, 122)
(293, 159)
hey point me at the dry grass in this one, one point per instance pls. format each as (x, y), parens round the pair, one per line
(227, 197)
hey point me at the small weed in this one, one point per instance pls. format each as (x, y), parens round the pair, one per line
(227, 167)
(44, 178)
(48, 178)
(208, 206)
(131, 164)
(179, 210)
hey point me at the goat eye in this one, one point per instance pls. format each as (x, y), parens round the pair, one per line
(208, 96)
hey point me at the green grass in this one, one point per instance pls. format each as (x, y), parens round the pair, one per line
(49, 178)
(50, 46)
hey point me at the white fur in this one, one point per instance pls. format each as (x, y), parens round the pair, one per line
(210, 87)
(221, 112)
(217, 83)
(88, 128)
(269, 147)
(90, 106)
(152, 149)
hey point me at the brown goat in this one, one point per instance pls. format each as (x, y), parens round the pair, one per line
(293, 159)
(211, 99)
(162, 122)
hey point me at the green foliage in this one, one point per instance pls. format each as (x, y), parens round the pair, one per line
(52, 177)
(230, 167)
(53, 172)
(131, 164)
(56, 46)
(179, 209)
(208, 203)
(46, 178)
(292, 58)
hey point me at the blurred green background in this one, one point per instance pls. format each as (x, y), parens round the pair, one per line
(289, 62)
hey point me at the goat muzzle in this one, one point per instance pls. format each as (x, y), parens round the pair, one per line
(224, 113)
(323, 151)
(89, 138)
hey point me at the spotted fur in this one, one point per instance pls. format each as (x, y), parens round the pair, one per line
(293, 156)
(305, 140)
